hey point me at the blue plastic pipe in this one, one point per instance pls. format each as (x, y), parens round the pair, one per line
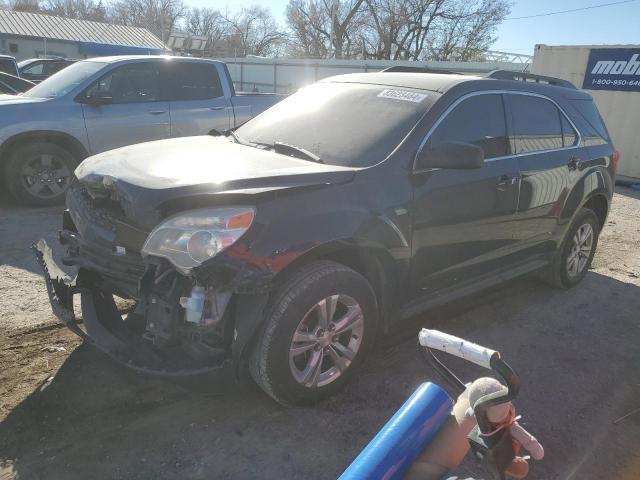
(392, 451)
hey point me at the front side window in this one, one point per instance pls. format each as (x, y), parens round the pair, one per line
(34, 69)
(194, 81)
(478, 120)
(131, 83)
(536, 124)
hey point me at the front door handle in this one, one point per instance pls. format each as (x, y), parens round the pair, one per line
(157, 112)
(217, 108)
(507, 181)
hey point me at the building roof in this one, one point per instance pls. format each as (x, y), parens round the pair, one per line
(61, 28)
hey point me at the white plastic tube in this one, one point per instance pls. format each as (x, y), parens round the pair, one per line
(457, 346)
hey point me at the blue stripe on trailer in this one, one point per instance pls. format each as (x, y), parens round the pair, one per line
(396, 446)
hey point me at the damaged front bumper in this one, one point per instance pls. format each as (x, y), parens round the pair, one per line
(104, 326)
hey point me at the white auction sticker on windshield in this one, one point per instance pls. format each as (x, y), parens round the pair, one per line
(405, 95)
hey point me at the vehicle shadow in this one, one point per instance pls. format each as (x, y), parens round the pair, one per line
(20, 227)
(627, 191)
(575, 351)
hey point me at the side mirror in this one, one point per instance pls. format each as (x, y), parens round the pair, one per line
(99, 97)
(451, 155)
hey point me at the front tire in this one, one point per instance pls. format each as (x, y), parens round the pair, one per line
(39, 173)
(319, 326)
(574, 258)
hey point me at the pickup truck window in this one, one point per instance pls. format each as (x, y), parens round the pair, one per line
(194, 81)
(65, 80)
(347, 124)
(131, 83)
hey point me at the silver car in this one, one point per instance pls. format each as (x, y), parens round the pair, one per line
(105, 103)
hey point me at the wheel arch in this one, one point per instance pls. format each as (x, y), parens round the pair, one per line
(61, 139)
(599, 204)
(375, 264)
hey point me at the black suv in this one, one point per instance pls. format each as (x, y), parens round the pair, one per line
(39, 69)
(287, 245)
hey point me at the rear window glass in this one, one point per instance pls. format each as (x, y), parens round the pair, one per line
(194, 81)
(569, 136)
(8, 66)
(594, 126)
(347, 124)
(536, 124)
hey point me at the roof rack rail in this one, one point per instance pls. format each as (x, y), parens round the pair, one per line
(409, 69)
(530, 77)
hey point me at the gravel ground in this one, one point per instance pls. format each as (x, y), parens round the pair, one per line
(72, 414)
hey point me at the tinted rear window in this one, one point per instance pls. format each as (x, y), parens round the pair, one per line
(593, 124)
(536, 124)
(194, 81)
(8, 66)
(346, 124)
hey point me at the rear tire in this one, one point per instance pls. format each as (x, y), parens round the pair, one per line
(573, 259)
(318, 328)
(39, 173)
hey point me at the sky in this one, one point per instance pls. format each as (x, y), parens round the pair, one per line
(615, 24)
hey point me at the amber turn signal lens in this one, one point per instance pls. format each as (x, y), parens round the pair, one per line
(243, 220)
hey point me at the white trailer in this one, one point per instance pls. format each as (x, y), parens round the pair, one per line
(611, 74)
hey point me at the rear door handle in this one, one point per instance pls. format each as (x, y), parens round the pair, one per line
(507, 181)
(217, 108)
(157, 112)
(574, 163)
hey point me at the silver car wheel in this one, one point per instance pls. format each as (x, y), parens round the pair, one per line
(45, 176)
(580, 250)
(326, 341)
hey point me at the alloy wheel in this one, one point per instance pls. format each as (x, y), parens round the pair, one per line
(45, 176)
(581, 247)
(326, 341)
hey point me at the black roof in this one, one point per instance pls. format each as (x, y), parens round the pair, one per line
(441, 83)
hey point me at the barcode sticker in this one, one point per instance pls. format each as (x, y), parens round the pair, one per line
(405, 95)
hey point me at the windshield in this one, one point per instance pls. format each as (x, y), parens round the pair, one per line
(65, 80)
(347, 124)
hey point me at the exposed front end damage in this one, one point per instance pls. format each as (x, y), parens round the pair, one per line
(182, 324)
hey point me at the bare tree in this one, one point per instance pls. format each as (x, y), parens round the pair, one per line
(325, 27)
(207, 22)
(393, 29)
(158, 16)
(31, 6)
(81, 9)
(254, 31)
(469, 31)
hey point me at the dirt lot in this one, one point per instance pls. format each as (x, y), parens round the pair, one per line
(72, 414)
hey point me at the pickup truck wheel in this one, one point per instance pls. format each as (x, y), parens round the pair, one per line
(320, 325)
(576, 252)
(39, 173)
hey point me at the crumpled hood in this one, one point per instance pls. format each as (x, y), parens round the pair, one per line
(151, 178)
(191, 161)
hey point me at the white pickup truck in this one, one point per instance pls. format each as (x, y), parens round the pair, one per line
(105, 103)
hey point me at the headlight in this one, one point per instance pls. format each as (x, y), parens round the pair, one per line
(190, 238)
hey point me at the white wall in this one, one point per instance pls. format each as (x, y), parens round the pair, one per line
(620, 110)
(33, 48)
